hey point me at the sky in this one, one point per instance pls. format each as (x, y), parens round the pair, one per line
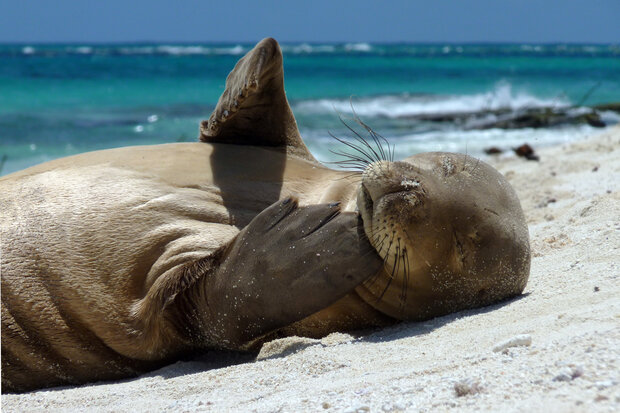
(529, 21)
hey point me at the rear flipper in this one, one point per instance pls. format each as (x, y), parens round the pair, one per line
(253, 110)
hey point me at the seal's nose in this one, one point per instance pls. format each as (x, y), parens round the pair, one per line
(384, 177)
(375, 177)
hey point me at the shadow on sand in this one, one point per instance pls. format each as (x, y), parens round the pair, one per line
(419, 328)
(214, 360)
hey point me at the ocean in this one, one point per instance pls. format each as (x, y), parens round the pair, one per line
(59, 100)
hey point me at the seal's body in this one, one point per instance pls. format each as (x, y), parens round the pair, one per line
(116, 261)
(101, 250)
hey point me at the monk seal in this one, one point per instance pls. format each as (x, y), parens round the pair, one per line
(115, 262)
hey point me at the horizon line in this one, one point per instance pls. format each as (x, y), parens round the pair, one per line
(287, 42)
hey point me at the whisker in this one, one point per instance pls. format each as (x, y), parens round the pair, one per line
(354, 147)
(365, 152)
(363, 141)
(465, 158)
(350, 162)
(353, 174)
(372, 133)
(385, 259)
(375, 136)
(370, 281)
(403, 295)
(385, 262)
(351, 156)
(378, 248)
(399, 251)
(392, 274)
(357, 119)
(476, 166)
(389, 247)
(350, 167)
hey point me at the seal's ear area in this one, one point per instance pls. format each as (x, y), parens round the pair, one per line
(253, 110)
(289, 263)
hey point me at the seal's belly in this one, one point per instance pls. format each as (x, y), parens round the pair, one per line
(78, 249)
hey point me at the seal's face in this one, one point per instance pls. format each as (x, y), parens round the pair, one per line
(451, 233)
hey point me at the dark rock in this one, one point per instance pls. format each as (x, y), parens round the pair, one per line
(525, 117)
(614, 107)
(594, 120)
(493, 150)
(527, 152)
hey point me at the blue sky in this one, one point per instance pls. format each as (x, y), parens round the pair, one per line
(84, 21)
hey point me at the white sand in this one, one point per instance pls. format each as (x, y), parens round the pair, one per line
(555, 349)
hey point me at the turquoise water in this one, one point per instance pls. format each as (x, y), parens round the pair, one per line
(58, 100)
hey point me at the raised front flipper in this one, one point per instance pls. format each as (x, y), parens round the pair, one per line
(253, 110)
(288, 263)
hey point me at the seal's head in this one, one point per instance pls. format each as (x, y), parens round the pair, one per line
(450, 230)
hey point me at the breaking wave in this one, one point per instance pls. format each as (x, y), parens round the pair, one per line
(406, 105)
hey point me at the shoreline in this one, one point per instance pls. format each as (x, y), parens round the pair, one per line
(554, 348)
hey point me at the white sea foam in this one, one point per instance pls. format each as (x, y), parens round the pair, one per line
(358, 47)
(609, 117)
(176, 50)
(182, 50)
(475, 141)
(83, 50)
(532, 48)
(137, 50)
(471, 142)
(235, 51)
(397, 106)
(302, 48)
(306, 48)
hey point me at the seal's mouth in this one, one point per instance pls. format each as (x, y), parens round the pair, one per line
(366, 200)
(365, 205)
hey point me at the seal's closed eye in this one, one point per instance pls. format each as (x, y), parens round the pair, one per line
(462, 228)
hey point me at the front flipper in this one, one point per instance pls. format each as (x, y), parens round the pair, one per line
(288, 263)
(253, 110)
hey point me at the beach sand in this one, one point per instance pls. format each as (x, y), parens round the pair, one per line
(556, 348)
